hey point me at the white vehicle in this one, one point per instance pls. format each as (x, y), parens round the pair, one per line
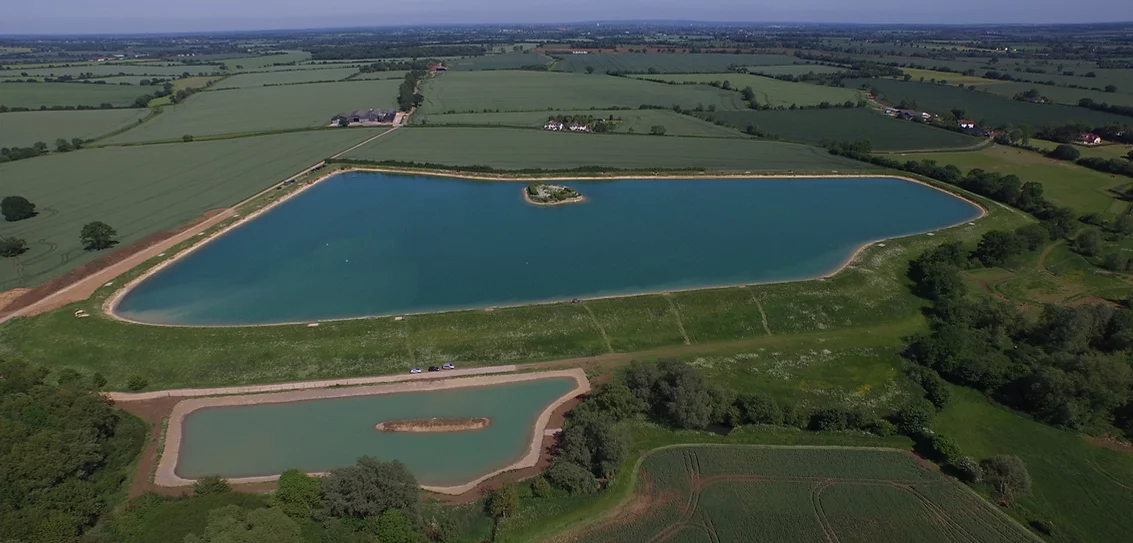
(448, 366)
(415, 370)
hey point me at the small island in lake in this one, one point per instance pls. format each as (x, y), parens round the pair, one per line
(544, 194)
(434, 425)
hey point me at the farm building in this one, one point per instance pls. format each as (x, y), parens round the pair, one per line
(966, 124)
(1088, 138)
(553, 125)
(364, 117)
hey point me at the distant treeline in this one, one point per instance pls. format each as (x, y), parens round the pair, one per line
(349, 52)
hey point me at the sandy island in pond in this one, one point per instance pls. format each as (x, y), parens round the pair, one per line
(109, 306)
(166, 474)
(434, 424)
(544, 194)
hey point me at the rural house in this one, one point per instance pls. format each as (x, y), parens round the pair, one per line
(553, 125)
(1088, 138)
(966, 124)
(364, 117)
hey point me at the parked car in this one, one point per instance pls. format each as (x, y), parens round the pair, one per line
(434, 368)
(449, 366)
(415, 370)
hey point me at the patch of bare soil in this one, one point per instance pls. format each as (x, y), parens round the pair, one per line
(434, 424)
(8, 296)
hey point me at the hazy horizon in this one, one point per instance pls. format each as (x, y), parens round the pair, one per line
(142, 17)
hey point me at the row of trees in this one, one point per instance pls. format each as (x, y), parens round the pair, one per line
(407, 95)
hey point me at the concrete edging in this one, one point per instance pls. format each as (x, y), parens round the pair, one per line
(166, 470)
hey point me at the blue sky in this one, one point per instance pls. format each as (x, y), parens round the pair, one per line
(86, 16)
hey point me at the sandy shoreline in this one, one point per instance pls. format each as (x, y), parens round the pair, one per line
(166, 475)
(425, 426)
(110, 305)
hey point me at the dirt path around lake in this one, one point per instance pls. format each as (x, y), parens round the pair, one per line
(165, 474)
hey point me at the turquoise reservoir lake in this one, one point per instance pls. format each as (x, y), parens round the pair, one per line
(319, 435)
(362, 244)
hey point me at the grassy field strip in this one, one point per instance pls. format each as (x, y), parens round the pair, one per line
(769, 90)
(25, 128)
(639, 121)
(662, 63)
(261, 109)
(263, 79)
(471, 92)
(36, 95)
(762, 314)
(602, 329)
(508, 148)
(677, 316)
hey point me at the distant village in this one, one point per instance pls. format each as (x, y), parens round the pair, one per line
(969, 126)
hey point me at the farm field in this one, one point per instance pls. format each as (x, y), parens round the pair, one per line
(510, 149)
(24, 128)
(984, 108)
(99, 70)
(1079, 487)
(1064, 183)
(781, 494)
(1061, 95)
(773, 91)
(952, 78)
(263, 79)
(391, 74)
(35, 95)
(142, 190)
(664, 62)
(470, 92)
(510, 61)
(815, 125)
(639, 121)
(795, 69)
(266, 61)
(261, 109)
(864, 311)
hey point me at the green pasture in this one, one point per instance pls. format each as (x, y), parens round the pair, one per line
(244, 64)
(815, 125)
(506, 148)
(663, 62)
(509, 61)
(1064, 183)
(952, 78)
(103, 70)
(1061, 95)
(22, 129)
(1084, 491)
(263, 79)
(261, 109)
(143, 190)
(637, 121)
(772, 91)
(795, 69)
(753, 493)
(986, 109)
(860, 315)
(471, 92)
(391, 74)
(35, 95)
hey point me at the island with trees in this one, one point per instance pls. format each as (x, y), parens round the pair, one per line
(543, 194)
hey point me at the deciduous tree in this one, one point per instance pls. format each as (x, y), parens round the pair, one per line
(16, 208)
(97, 235)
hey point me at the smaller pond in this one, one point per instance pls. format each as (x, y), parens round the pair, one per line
(319, 435)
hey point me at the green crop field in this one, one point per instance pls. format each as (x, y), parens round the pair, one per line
(795, 69)
(638, 121)
(100, 70)
(22, 129)
(266, 61)
(142, 190)
(814, 125)
(262, 79)
(391, 74)
(1063, 183)
(34, 95)
(664, 62)
(987, 109)
(773, 91)
(261, 109)
(506, 148)
(510, 61)
(782, 494)
(1080, 488)
(471, 92)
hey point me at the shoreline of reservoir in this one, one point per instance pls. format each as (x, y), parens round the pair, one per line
(166, 472)
(110, 305)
